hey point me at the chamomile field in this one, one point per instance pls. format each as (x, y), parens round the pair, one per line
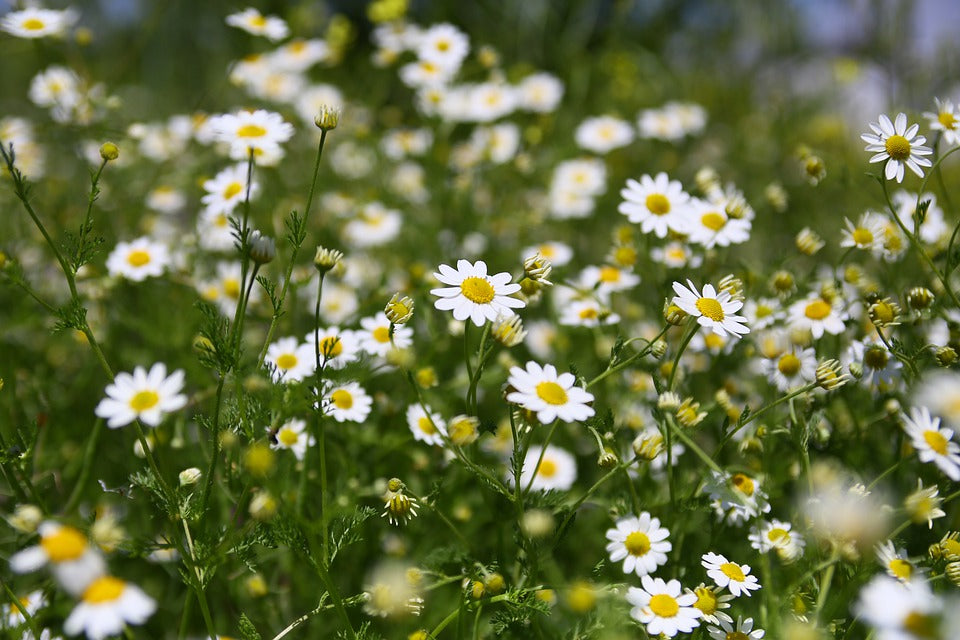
(472, 320)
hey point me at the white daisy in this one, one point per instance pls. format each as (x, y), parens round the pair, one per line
(867, 234)
(107, 605)
(550, 395)
(299, 55)
(640, 542)
(900, 610)
(255, 23)
(426, 427)
(443, 45)
(713, 310)
(32, 602)
(143, 395)
(762, 312)
(946, 120)
(34, 22)
(658, 204)
(582, 177)
(895, 562)
(374, 225)
(557, 470)
(540, 92)
(743, 630)
(337, 347)
(227, 189)
(74, 562)
(898, 146)
(557, 253)
(290, 360)
(660, 606)
(607, 279)
(603, 134)
(932, 443)
(934, 228)
(586, 312)
(138, 260)
(215, 231)
(735, 577)
(940, 392)
(260, 130)
(475, 295)
(710, 225)
(777, 536)
(675, 255)
(817, 315)
(375, 338)
(736, 498)
(791, 369)
(292, 435)
(347, 402)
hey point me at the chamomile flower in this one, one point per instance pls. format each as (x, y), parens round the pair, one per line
(443, 45)
(473, 294)
(816, 314)
(73, 561)
(899, 610)
(32, 602)
(34, 22)
(374, 225)
(658, 204)
(640, 542)
(539, 92)
(711, 226)
(607, 279)
(262, 131)
(932, 443)
(375, 338)
(743, 630)
(551, 395)
(292, 435)
(940, 393)
(557, 469)
(898, 146)
(660, 606)
(735, 577)
(347, 402)
(253, 22)
(426, 427)
(603, 134)
(713, 310)
(215, 231)
(290, 360)
(337, 347)
(866, 234)
(791, 369)
(777, 536)
(946, 119)
(586, 312)
(227, 189)
(675, 255)
(138, 260)
(895, 562)
(107, 605)
(143, 395)
(710, 603)
(736, 498)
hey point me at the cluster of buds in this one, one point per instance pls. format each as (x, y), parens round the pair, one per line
(398, 507)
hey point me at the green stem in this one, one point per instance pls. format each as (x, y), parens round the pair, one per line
(676, 359)
(625, 363)
(759, 412)
(19, 606)
(543, 450)
(825, 581)
(88, 457)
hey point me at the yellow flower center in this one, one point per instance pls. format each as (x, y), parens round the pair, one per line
(258, 21)
(706, 600)
(626, 256)
(947, 119)
(251, 131)
(676, 253)
(547, 469)
(862, 236)
(921, 625)
(551, 393)
(637, 543)
(138, 258)
(789, 365)
(66, 544)
(900, 568)
(104, 589)
(713, 221)
(936, 441)
(331, 347)
(950, 547)
(231, 287)
(221, 221)
(658, 204)
(778, 535)
(876, 358)
(143, 400)
(737, 635)
(588, 313)
(287, 361)
(714, 342)
(743, 483)
(664, 606)
(817, 310)
(33, 24)
(711, 308)
(733, 571)
(381, 334)
(232, 189)
(342, 399)
(897, 147)
(443, 45)
(288, 437)
(426, 426)
(477, 290)
(609, 274)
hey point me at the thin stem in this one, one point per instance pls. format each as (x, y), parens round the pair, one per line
(676, 359)
(625, 363)
(759, 412)
(543, 450)
(201, 597)
(88, 457)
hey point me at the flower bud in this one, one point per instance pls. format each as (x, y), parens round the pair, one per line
(809, 242)
(190, 476)
(326, 259)
(399, 309)
(463, 430)
(262, 248)
(327, 118)
(607, 460)
(946, 356)
(658, 349)
(508, 330)
(830, 375)
(884, 313)
(494, 584)
(920, 298)
(109, 151)
(673, 314)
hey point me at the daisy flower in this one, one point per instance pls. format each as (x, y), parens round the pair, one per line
(640, 542)
(337, 347)
(762, 313)
(895, 562)
(32, 602)
(867, 234)
(710, 604)
(375, 336)
(817, 315)
(260, 130)
(443, 45)
(675, 255)
(660, 606)
(227, 189)
(657, 204)
(557, 469)
(603, 134)
(586, 313)
(712, 310)
(735, 577)
(898, 146)
(946, 119)
(932, 443)
(607, 279)
(215, 231)
(292, 435)
(792, 369)
(145, 396)
(940, 393)
(540, 92)
(290, 360)
(473, 294)
(72, 559)
(736, 498)
(373, 226)
(347, 403)
(742, 631)
(107, 605)
(138, 260)
(550, 395)
(426, 427)
(711, 226)
(34, 22)
(777, 536)
(934, 228)
(899, 609)
(253, 22)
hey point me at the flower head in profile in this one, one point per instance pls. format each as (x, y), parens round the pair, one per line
(551, 395)
(107, 605)
(253, 22)
(143, 395)
(898, 146)
(946, 119)
(714, 310)
(932, 443)
(71, 558)
(473, 294)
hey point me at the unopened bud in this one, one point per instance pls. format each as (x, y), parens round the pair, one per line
(109, 151)
(782, 282)
(508, 330)
(658, 349)
(607, 460)
(920, 298)
(815, 169)
(946, 356)
(538, 268)
(326, 259)
(494, 584)
(327, 118)
(399, 310)
(830, 376)
(648, 446)
(262, 248)
(190, 476)
(673, 314)
(809, 242)
(732, 285)
(884, 313)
